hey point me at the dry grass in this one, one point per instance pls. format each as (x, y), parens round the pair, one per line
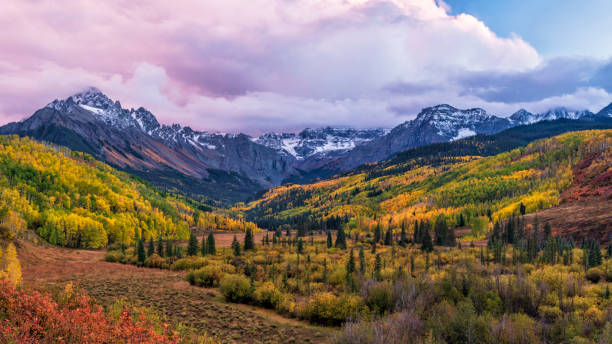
(201, 309)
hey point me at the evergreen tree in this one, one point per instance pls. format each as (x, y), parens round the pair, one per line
(350, 264)
(210, 244)
(236, 246)
(461, 220)
(373, 247)
(417, 234)
(427, 245)
(192, 246)
(329, 239)
(378, 268)
(169, 249)
(142, 256)
(160, 247)
(441, 231)
(300, 246)
(522, 208)
(341, 238)
(362, 262)
(389, 237)
(151, 248)
(249, 243)
(403, 236)
(547, 230)
(377, 234)
(203, 248)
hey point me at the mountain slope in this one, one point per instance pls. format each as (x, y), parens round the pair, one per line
(72, 200)
(535, 175)
(223, 167)
(437, 124)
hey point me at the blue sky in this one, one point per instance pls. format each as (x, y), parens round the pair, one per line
(553, 27)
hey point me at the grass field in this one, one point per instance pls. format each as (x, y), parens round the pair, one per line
(202, 310)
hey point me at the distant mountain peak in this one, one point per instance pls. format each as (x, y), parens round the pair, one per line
(311, 141)
(607, 111)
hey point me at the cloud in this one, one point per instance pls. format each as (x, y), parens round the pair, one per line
(274, 64)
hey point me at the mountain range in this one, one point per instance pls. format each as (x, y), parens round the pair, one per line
(231, 167)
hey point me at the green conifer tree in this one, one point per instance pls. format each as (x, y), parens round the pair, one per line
(192, 245)
(210, 244)
(142, 256)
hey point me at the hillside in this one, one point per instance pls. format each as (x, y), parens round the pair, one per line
(468, 187)
(72, 200)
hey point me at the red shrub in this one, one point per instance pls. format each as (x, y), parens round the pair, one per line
(32, 317)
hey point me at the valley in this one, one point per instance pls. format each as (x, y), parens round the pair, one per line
(503, 237)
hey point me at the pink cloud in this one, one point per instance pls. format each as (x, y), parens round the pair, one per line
(247, 65)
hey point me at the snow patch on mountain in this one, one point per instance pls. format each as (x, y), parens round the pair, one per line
(463, 133)
(318, 141)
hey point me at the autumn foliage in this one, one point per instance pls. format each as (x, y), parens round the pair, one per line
(32, 317)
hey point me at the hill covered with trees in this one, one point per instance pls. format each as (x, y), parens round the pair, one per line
(72, 200)
(467, 189)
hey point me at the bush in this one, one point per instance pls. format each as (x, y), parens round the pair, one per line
(209, 276)
(379, 298)
(236, 288)
(114, 256)
(594, 274)
(31, 317)
(155, 261)
(188, 263)
(267, 295)
(329, 309)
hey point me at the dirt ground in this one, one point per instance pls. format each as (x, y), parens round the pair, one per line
(166, 291)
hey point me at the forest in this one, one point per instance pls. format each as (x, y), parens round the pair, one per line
(437, 253)
(71, 200)
(471, 188)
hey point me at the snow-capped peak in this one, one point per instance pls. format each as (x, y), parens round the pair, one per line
(453, 123)
(522, 116)
(318, 141)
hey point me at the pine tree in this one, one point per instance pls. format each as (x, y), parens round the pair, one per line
(203, 247)
(249, 243)
(389, 237)
(210, 244)
(403, 236)
(427, 245)
(169, 249)
(417, 234)
(329, 239)
(151, 248)
(160, 247)
(192, 246)
(441, 231)
(461, 220)
(377, 234)
(236, 246)
(350, 264)
(378, 268)
(142, 256)
(341, 239)
(300, 246)
(522, 208)
(362, 262)
(547, 230)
